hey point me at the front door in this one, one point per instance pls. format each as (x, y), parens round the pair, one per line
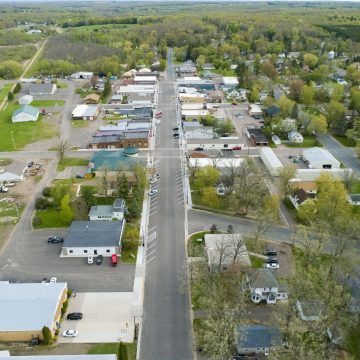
(95, 252)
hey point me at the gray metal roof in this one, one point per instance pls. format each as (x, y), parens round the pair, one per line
(101, 210)
(62, 357)
(94, 234)
(28, 306)
(119, 204)
(46, 88)
(257, 336)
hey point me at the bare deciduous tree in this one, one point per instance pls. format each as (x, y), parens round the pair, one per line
(61, 148)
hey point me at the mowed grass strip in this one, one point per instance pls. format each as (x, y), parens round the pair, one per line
(47, 103)
(4, 90)
(66, 161)
(16, 136)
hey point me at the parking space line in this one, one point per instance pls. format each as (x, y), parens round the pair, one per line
(150, 260)
(150, 245)
(152, 252)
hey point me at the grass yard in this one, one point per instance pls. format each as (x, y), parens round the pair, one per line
(21, 134)
(345, 141)
(128, 255)
(50, 219)
(71, 162)
(80, 123)
(62, 85)
(309, 141)
(111, 348)
(102, 200)
(256, 262)
(4, 90)
(195, 247)
(46, 103)
(224, 72)
(355, 187)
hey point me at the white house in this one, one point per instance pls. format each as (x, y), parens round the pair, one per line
(108, 212)
(264, 287)
(25, 113)
(295, 137)
(271, 161)
(85, 112)
(331, 55)
(319, 158)
(34, 31)
(219, 162)
(226, 252)
(25, 100)
(92, 238)
(82, 75)
(354, 199)
(6, 177)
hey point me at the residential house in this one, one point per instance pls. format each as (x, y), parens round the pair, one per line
(319, 158)
(26, 100)
(193, 114)
(116, 99)
(42, 89)
(108, 212)
(309, 310)
(264, 287)
(295, 137)
(187, 68)
(6, 177)
(92, 99)
(92, 238)
(25, 113)
(256, 339)
(25, 308)
(85, 112)
(254, 110)
(208, 66)
(257, 137)
(226, 252)
(299, 197)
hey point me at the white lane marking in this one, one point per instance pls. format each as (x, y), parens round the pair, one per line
(151, 259)
(151, 236)
(152, 252)
(152, 228)
(150, 245)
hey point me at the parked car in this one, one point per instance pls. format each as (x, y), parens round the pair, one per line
(44, 280)
(99, 259)
(271, 260)
(234, 103)
(53, 280)
(199, 149)
(74, 316)
(153, 192)
(239, 115)
(272, 265)
(90, 260)
(4, 189)
(270, 252)
(153, 181)
(70, 333)
(55, 240)
(30, 164)
(176, 128)
(114, 259)
(176, 134)
(236, 148)
(78, 176)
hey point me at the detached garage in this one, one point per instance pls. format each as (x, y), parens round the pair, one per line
(92, 238)
(320, 159)
(271, 161)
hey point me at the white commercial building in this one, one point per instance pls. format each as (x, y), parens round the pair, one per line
(92, 238)
(230, 81)
(320, 159)
(25, 113)
(202, 132)
(145, 79)
(221, 143)
(108, 212)
(271, 161)
(192, 106)
(310, 175)
(85, 112)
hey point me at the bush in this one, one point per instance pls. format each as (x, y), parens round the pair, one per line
(46, 191)
(69, 293)
(47, 336)
(42, 203)
(10, 96)
(64, 307)
(37, 221)
(213, 228)
(17, 88)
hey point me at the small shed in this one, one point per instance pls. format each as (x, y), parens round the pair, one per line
(26, 100)
(92, 98)
(320, 159)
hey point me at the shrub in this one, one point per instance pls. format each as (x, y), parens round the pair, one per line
(47, 336)
(46, 191)
(37, 221)
(42, 203)
(64, 307)
(10, 96)
(17, 88)
(69, 293)
(213, 228)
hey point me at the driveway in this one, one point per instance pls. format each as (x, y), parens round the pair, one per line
(106, 318)
(31, 258)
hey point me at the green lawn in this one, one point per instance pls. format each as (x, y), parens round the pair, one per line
(345, 141)
(309, 141)
(80, 123)
(102, 200)
(45, 103)
(195, 247)
(62, 85)
(71, 162)
(355, 188)
(111, 348)
(256, 262)
(20, 134)
(128, 256)
(50, 219)
(4, 90)
(224, 72)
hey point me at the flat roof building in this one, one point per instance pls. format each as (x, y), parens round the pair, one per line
(85, 112)
(320, 159)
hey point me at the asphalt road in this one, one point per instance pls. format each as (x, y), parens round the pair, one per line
(29, 257)
(344, 154)
(166, 331)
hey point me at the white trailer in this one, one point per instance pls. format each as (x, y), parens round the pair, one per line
(254, 110)
(271, 161)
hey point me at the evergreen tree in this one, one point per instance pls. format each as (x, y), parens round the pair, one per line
(17, 88)
(47, 336)
(10, 96)
(122, 352)
(123, 189)
(107, 89)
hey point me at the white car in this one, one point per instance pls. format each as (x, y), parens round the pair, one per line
(4, 189)
(272, 265)
(90, 260)
(153, 181)
(153, 192)
(53, 280)
(70, 333)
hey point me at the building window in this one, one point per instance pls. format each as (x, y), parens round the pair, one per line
(85, 251)
(71, 251)
(107, 250)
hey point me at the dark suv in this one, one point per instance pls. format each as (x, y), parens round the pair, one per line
(75, 316)
(99, 259)
(270, 252)
(55, 240)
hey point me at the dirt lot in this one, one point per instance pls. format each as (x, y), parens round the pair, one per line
(285, 258)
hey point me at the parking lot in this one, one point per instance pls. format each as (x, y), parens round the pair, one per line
(106, 318)
(32, 259)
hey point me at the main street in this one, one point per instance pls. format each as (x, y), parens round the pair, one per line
(166, 331)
